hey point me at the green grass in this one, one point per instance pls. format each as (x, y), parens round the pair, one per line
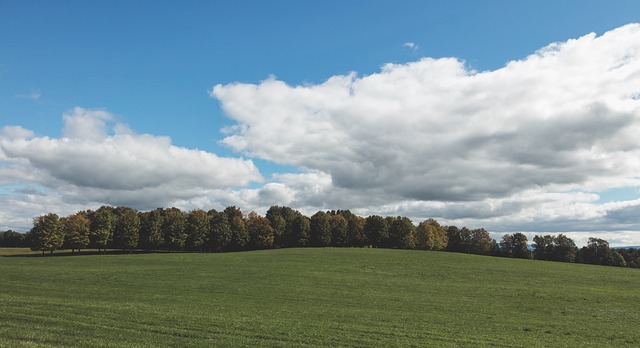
(314, 297)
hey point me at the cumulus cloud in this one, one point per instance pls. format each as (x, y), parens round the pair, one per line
(457, 142)
(97, 162)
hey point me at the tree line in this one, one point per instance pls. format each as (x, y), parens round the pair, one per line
(171, 229)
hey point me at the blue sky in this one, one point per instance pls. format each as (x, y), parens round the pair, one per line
(151, 67)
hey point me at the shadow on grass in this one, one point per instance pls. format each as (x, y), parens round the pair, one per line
(83, 253)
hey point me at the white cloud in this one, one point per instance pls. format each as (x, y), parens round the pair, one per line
(410, 45)
(89, 166)
(466, 146)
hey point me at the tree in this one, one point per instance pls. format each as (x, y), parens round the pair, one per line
(151, 236)
(127, 228)
(376, 231)
(596, 252)
(617, 259)
(457, 239)
(431, 236)
(543, 247)
(197, 229)
(278, 224)
(220, 232)
(102, 227)
(339, 230)
(13, 239)
(481, 242)
(320, 229)
(515, 245)
(47, 233)
(237, 225)
(77, 228)
(402, 233)
(357, 236)
(260, 231)
(299, 230)
(564, 249)
(175, 222)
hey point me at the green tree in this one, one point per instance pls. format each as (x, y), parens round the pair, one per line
(77, 228)
(320, 229)
(458, 239)
(47, 233)
(376, 231)
(402, 233)
(564, 249)
(357, 236)
(299, 230)
(260, 231)
(151, 236)
(102, 227)
(515, 245)
(197, 229)
(13, 239)
(174, 225)
(126, 235)
(596, 252)
(220, 232)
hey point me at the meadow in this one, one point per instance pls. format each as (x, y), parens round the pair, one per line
(313, 297)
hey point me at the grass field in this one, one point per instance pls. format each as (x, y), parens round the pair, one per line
(314, 297)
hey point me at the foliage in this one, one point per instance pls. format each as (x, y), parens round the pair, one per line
(77, 228)
(260, 231)
(237, 225)
(376, 230)
(13, 239)
(220, 232)
(102, 226)
(197, 230)
(126, 234)
(175, 222)
(320, 229)
(47, 233)
(515, 245)
(151, 233)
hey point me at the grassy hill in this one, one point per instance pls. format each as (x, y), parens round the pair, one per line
(314, 297)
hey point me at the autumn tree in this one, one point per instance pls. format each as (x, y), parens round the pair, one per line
(278, 224)
(339, 230)
(197, 229)
(77, 228)
(320, 229)
(260, 231)
(47, 233)
(237, 225)
(431, 236)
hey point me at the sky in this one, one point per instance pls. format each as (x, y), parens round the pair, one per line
(514, 116)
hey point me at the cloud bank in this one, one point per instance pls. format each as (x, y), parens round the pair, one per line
(103, 162)
(524, 144)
